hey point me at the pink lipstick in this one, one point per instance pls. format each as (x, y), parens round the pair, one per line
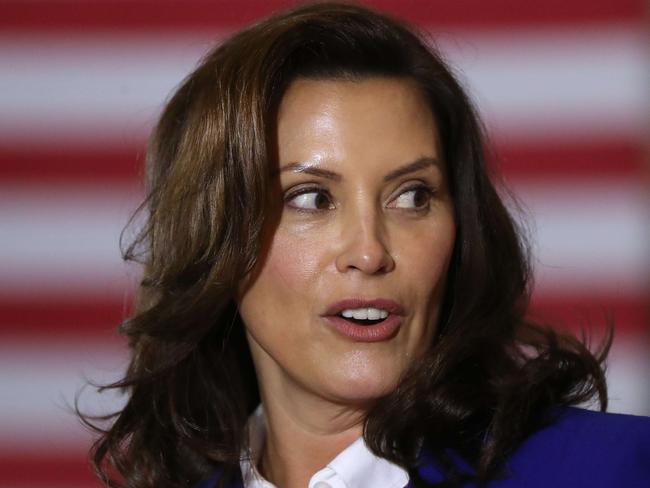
(365, 330)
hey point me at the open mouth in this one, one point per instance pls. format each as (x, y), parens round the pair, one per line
(362, 321)
(366, 324)
(364, 315)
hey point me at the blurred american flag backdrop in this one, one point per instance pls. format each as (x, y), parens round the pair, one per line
(563, 86)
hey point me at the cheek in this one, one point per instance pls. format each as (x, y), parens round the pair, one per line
(427, 265)
(427, 255)
(284, 276)
(291, 264)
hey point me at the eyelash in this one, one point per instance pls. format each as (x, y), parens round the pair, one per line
(428, 189)
(431, 192)
(302, 191)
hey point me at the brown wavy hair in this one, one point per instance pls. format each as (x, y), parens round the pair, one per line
(490, 378)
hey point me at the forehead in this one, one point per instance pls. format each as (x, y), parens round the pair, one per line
(376, 118)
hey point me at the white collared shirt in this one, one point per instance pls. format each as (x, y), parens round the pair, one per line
(354, 467)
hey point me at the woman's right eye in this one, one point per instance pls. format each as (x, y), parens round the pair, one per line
(309, 199)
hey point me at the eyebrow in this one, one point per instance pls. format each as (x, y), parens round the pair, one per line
(412, 167)
(311, 169)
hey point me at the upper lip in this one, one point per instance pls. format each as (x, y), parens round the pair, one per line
(390, 306)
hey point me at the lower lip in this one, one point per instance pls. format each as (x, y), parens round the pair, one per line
(366, 333)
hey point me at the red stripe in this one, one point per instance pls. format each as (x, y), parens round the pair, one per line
(145, 15)
(628, 314)
(46, 470)
(39, 317)
(578, 160)
(71, 165)
(98, 319)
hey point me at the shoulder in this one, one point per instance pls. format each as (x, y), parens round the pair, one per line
(580, 448)
(593, 432)
(586, 448)
(578, 425)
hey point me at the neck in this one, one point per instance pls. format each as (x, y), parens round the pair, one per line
(303, 435)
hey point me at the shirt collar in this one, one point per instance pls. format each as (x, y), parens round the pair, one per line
(354, 467)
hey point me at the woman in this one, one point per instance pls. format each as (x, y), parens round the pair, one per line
(322, 237)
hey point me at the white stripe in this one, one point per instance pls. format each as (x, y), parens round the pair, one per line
(64, 241)
(553, 82)
(588, 237)
(94, 89)
(40, 381)
(627, 375)
(557, 84)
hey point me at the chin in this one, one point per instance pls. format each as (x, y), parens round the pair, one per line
(362, 385)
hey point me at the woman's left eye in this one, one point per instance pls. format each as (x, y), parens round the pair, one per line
(417, 197)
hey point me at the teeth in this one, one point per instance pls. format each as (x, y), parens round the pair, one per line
(369, 313)
(376, 314)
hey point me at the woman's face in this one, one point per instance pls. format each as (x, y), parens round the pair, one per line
(362, 226)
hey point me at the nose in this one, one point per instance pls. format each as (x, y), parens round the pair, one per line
(363, 245)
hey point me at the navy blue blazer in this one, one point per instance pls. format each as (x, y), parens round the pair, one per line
(580, 449)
